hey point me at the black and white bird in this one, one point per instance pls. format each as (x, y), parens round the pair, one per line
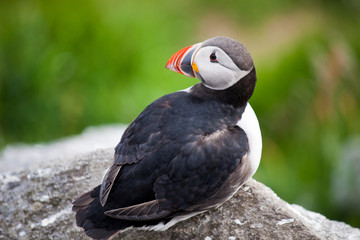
(187, 152)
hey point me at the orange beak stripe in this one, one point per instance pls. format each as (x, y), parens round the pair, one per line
(180, 61)
(174, 62)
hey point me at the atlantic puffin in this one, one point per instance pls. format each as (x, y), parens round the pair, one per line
(187, 152)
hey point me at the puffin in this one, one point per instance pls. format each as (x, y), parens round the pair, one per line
(187, 152)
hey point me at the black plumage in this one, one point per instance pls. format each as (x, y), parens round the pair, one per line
(183, 154)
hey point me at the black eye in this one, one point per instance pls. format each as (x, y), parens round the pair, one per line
(213, 57)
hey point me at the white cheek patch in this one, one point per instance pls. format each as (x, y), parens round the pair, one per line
(220, 75)
(222, 78)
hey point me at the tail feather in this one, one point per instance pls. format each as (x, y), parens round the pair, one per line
(84, 199)
(81, 206)
(97, 225)
(101, 233)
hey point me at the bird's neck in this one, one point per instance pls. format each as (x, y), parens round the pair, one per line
(237, 95)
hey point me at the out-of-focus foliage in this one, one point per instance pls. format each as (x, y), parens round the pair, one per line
(70, 64)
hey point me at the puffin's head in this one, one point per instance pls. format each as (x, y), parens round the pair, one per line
(218, 62)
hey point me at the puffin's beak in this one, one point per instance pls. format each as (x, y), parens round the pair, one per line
(182, 61)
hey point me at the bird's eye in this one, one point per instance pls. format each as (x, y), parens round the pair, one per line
(213, 57)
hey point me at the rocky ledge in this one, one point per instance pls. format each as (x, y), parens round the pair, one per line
(36, 204)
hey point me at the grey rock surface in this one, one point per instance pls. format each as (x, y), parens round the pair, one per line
(36, 204)
(22, 156)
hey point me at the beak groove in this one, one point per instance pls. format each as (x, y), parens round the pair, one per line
(181, 61)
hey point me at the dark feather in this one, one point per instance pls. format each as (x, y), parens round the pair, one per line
(174, 158)
(101, 233)
(108, 182)
(83, 200)
(140, 212)
(80, 206)
(200, 171)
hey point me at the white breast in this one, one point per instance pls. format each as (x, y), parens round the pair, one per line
(250, 124)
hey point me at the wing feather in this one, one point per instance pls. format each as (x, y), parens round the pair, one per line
(108, 182)
(140, 212)
(141, 137)
(202, 170)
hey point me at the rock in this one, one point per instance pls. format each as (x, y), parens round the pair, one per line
(31, 156)
(36, 204)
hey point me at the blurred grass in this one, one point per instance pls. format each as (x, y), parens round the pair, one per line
(68, 65)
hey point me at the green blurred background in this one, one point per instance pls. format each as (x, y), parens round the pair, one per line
(72, 64)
